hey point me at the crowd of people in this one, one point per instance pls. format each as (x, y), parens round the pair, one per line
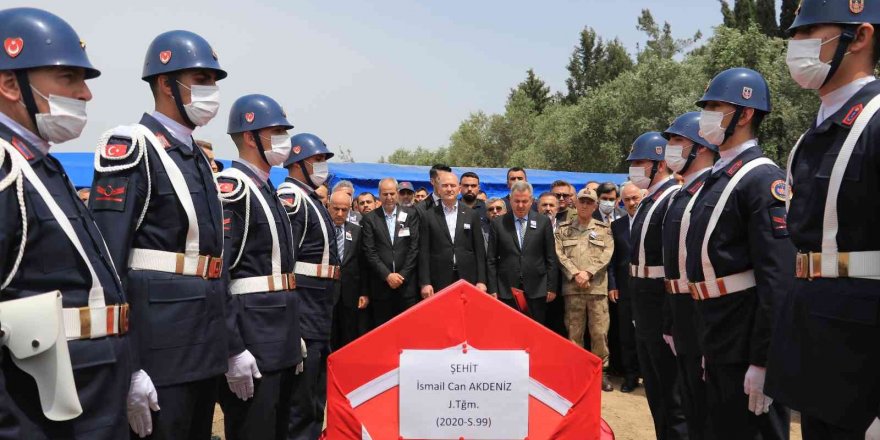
(730, 288)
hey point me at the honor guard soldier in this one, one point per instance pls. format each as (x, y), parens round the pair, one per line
(824, 357)
(262, 309)
(156, 201)
(317, 268)
(65, 361)
(690, 156)
(740, 261)
(584, 247)
(648, 171)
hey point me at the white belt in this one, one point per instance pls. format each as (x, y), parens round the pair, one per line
(317, 270)
(677, 286)
(95, 322)
(647, 271)
(723, 286)
(864, 264)
(264, 284)
(172, 262)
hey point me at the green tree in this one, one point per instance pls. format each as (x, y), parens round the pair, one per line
(729, 19)
(419, 156)
(744, 13)
(660, 42)
(592, 63)
(787, 14)
(535, 89)
(765, 15)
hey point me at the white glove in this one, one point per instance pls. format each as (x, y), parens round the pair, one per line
(873, 432)
(759, 403)
(305, 353)
(142, 398)
(671, 343)
(241, 374)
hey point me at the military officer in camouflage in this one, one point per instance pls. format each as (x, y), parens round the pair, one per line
(584, 246)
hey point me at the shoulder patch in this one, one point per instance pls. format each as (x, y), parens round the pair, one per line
(852, 114)
(109, 194)
(731, 170)
(22, 148)
(230, 187)
(779, 190)
(778, 222)
(696, 187)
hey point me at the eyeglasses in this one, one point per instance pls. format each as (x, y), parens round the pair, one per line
(561, 196)
(495, 208)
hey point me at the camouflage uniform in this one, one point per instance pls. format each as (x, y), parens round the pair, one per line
(586, 248)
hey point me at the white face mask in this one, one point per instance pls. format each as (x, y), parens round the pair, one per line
(804, 64)
(204, 103)
(606, 206)
(710, 126)
(320, 172)
(638, 178)
(65, 120)
(280, 149)
(673, 157)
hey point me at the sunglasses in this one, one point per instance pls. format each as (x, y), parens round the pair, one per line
(495, 208)
(561, 196)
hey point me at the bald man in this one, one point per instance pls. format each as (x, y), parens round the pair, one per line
(350, 297)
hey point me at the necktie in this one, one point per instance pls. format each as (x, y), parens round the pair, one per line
(340, 242)
(522, 231)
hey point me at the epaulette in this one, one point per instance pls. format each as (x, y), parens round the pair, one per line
(117, 151)
(291, 196)
(7, 178)
(230, 187)
(602, 223)
(564, 223)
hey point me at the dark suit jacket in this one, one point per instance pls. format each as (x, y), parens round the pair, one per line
(385, 258)
(355, 275)
(618, 269)
(533, 269)
(436, 248)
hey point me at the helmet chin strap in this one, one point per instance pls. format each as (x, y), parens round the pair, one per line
(27, 95)
(178, 101)
(728, 132)
(846, 37)
(259, 143)
(691, 157)
(654, 169)
(306, 174)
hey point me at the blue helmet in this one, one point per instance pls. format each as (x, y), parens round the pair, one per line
(37, 38)
(740, 87)
(812, 12)
(304, 146)
(688, 126)
(173, 51)
(255, 112)
(649, 146)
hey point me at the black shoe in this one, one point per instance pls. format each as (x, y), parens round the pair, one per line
(629, 385)
(606, 384)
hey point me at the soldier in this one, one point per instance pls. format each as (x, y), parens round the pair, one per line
(155, 198)
(690, 156)
(648, 171)
(823, 356)
(262, 310)
(317, 268)
(740, 260)
(584, 246)
(61, 376)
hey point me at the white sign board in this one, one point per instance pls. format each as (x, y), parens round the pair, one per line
(449, 394)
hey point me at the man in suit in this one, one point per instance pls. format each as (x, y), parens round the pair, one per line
(517, 174)
(608, 210)
(350, 297)
(522, 254)
(391, 247)
(433, 199)
(450, 242)
(618, 288)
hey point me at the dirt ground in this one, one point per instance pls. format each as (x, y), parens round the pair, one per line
(627, 414)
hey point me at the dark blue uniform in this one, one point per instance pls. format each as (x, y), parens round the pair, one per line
(680, 321)
(102, 366)
(649, 304)
(824, 358)
(267, 323)
(316, 312)
(735, 327)
(177, 320)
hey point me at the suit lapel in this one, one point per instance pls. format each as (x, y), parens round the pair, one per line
(347, 244)
(528, 231)
(510, 225)
(459, 222)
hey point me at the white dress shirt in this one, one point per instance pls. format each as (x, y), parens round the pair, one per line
(181, 133)
(832, 102)
(727, 156)
(451, 214)
(390, 221)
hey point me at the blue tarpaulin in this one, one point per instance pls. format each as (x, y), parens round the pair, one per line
(366, 176)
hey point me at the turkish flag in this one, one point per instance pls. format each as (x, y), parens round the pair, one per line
(115, 150)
